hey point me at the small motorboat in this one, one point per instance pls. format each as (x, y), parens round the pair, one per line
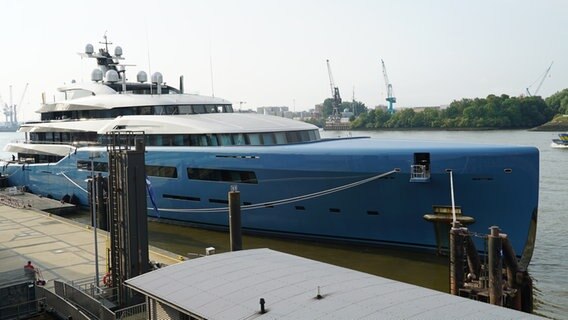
(561, 142)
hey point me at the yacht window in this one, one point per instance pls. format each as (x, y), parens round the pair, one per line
(155, 140)
(254, 139)
(167, 140)
(185, 110)
(146, 110)
(293, 137)
(222, 175)
(98, 165)
(304, 136)
(312, 135)
(199, 109)
(268, 139)
(180, 140)
(211, 109)
(171, 110)
(159, 110)
(212, 140)
(202, 140)
(239, 139)
(225, 140)
(161, 171)
(280, 137)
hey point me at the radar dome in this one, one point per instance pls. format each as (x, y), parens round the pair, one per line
(157, 77)
(96, 75)
(142, 77)
(111, 76)
(89, 49)
(117, 51)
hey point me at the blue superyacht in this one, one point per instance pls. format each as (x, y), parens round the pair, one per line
(293, 183)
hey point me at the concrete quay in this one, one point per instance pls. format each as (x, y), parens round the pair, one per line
(61, 249)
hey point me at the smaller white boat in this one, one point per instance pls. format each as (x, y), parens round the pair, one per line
(561, 143)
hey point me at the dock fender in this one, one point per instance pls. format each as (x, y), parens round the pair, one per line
(66, 198)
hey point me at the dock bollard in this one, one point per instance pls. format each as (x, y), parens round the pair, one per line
(495, 267)
(235, 219)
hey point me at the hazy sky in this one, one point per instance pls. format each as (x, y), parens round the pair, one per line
(273, 53)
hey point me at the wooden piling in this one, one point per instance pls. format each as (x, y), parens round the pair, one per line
(235, 220)
(456, 259)
(495, 267)
(473, 261)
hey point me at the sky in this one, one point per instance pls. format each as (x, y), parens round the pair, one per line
(273, 53)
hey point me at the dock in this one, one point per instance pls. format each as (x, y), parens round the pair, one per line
(61, 249)
(17, 198)
(258, 283)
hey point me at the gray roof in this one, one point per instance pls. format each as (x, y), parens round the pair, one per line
(230, 285)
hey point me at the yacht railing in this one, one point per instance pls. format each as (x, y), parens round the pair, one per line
(419, 172)
(69, 143)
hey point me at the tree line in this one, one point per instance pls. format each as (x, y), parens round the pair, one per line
(492, 112)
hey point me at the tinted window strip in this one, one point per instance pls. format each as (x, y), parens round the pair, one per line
(177, 197)
(219, 201)
(161, 171)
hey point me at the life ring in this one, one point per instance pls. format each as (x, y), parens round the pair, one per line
(107, 280)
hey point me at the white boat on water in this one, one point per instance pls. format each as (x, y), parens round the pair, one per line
(561, 142)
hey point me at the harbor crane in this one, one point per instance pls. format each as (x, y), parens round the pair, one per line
(390, 98)
(541, 78)
(10, 111)
(335, 116)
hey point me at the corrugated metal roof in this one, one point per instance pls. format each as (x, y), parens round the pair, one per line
(230, 285)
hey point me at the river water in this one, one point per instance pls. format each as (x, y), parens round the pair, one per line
(548, 266)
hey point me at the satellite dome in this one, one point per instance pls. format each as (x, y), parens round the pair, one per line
(118, 51)
(111, 76)
(89, 49)
(141, 77)
(157, 77)
(96, 75)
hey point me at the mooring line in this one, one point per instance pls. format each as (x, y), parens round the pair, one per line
(73, 182)
(283, 201)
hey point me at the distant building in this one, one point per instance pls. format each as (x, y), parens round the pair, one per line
(381, 107)
(272, 111)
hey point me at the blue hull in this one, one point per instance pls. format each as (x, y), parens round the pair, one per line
(496, 185)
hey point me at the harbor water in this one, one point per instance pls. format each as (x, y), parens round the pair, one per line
(548, 266)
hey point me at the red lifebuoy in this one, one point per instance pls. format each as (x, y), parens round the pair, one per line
(107, 281)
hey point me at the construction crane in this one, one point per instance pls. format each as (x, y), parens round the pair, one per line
(335, 94)
(15, 121)
(390, 98)
(540, 83)
(10, 111)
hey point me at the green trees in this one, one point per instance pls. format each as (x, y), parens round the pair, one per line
(500, 112)
(558, 102)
